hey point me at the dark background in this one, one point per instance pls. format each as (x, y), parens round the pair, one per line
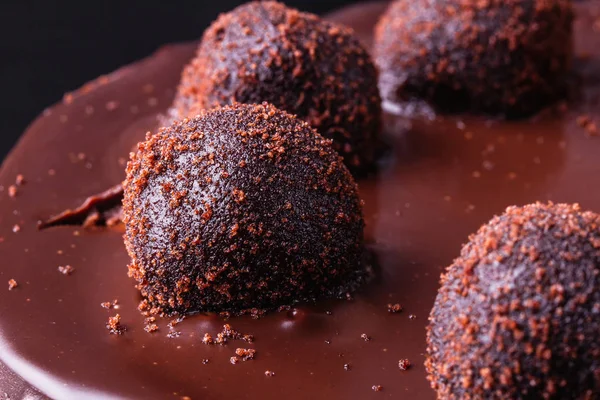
(49, 47)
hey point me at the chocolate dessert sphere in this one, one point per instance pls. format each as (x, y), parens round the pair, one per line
(518, 313)
(243, 207)
(507, 57)
(264, 51)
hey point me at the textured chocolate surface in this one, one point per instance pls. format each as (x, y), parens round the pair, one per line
(318, 70)
(442, 180)
(518, 314)
(241, 209)
(508, 57)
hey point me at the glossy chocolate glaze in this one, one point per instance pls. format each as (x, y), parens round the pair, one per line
(442, 179)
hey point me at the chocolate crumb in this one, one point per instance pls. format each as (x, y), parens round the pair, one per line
(173, 335)
(347, 367)
(234, 360)
(114, 325)
(12, 284)
(365, 337)
(377, 388)
(66, 270)
(394, 308)
(586, 122)
(404, 364)
(151, 328)
(412, 316)
(205, 361)
(106, 305)
(245, 354)
(269, 374)
(207, 339)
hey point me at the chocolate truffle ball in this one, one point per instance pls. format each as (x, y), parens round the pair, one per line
(505, 57)
(240, 208)
(264, 51)
(518, 313)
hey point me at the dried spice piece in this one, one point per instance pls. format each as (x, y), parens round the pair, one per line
(517, 313)
(315, 69)
(508, 57)
(285, 228)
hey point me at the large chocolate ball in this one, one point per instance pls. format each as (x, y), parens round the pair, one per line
(518, 313)
(240, 208)
(264, 51)
(509, 57)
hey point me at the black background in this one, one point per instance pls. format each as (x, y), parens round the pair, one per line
(49, 47)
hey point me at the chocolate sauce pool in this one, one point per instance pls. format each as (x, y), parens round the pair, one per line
(442, 179)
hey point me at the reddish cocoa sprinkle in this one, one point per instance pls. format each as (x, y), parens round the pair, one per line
(205, 361)
(151, 328)
(20, 180)
(517, 313)
(404, 364)
(16, 228)
(365, 337)
(507, 57)
(106, 305)
(586, 122)
(207, 339)
(269, 374)
(12, 284)
(347, 367)
(114, 325)
(377, 388)
(245, 354)
(12, 191)
(234, 360)
(179, 192)
(66, 270)
(394, 308)
(264, 51)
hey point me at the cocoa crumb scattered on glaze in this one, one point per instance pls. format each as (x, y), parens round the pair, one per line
(66, 269)
(12, 284)
(114, 325)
